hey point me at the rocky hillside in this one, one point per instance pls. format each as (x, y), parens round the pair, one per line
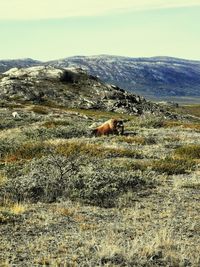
(155, 77)
(72, 88)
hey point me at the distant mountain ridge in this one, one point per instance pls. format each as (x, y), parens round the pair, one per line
(18, 63)
(150, 77)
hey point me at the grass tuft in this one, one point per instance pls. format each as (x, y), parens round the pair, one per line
(9, 211)
(188, 151)
(172, 166)
(95, 150)
(40, 110)
(27, 151)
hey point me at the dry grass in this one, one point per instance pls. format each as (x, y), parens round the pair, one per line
(94, 150)
(3, 178)
(39, 109)
(27, 151)
(9, 211)
(184, 125)
(155, 225)
(140, 140)
(97, 114)
(188, 151)
(172, 166)
(53, 124)
(192, 182)
(190, 109)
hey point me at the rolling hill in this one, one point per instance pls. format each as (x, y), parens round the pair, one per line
(71, 87)
(151, 77)
(154, 78)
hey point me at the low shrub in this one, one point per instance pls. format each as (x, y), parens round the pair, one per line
(40, 110)
(172, 123)
(11, 212)
(188, 151)
(172, 166)
(51, 130)
(56, 123)
(102, 187)
(26, 151)
(43, 179)
(8, 146)
(6, 124)
(77, 178)
(25, 119)
(140, 140)
(95, 150)
(192, 185)
(128, 164)
(6, 216)
(3, 178)
(150, 121)
(184, 125)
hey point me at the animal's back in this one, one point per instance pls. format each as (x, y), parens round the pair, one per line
(104, 129)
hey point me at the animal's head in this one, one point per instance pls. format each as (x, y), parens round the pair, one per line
(120, 123)
(120, 126)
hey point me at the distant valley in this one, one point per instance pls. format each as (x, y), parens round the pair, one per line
(155, 78)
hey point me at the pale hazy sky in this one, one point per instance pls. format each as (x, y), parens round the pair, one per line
(53, 29)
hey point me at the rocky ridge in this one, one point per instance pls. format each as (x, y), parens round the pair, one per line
(72, 88)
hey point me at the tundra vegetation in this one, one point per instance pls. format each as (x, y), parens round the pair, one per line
(69, 199)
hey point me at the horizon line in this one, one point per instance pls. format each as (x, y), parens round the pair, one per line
(97, 55)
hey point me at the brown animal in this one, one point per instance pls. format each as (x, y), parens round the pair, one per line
(112, 126)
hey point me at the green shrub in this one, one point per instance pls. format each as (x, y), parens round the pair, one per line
(7, 217)
(43, 179)
(8, 146)
(9, 122)
(79, 178)
(6, 124)
(50, 131)
(102, 187)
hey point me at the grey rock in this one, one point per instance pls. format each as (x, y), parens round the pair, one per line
(71, 88)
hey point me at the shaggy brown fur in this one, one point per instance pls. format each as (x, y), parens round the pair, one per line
(112, 126)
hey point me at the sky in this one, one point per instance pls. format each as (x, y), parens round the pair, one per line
(55, 29)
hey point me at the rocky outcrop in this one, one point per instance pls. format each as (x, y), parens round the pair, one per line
(70, 87)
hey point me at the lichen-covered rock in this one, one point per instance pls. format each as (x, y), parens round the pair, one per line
(69, 87)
